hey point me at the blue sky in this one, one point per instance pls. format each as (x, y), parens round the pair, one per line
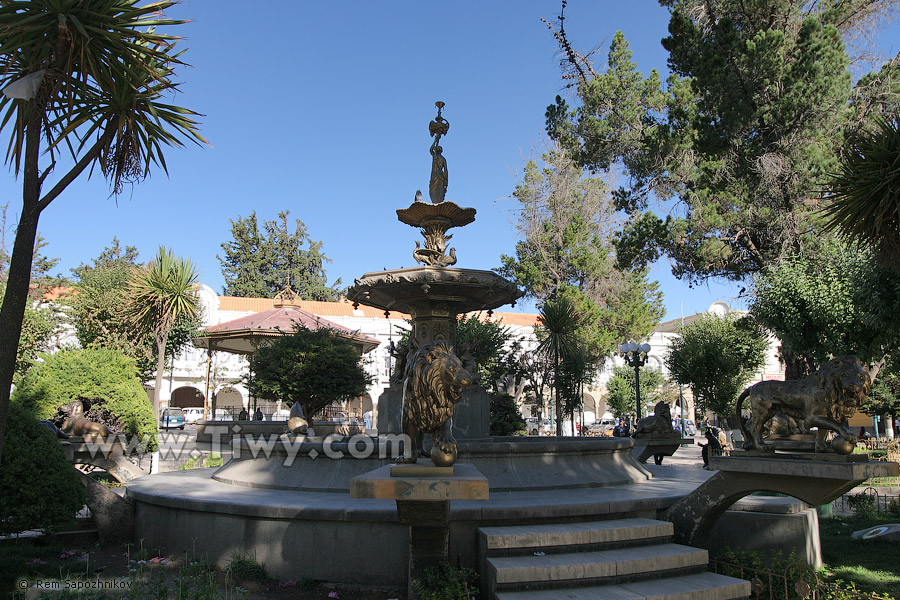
(322, 108)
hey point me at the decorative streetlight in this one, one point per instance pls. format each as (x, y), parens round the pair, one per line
(635, 356)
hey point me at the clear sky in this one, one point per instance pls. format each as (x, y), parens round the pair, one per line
(322, 108)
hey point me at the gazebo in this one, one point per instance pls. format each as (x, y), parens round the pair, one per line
(245, 334)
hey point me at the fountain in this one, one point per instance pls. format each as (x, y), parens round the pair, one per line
(286, 499)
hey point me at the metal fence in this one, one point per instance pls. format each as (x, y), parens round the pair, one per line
(798, 581)
(850, 503)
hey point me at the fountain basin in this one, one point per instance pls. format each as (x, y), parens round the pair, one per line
(509, 463)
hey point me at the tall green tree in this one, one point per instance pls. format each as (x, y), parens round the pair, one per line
(99, 310)
(838, 302)
(620, 389)
(40, 323)
(559, 325)
(159, 294)
(738, 142)
(489, 344)
(312, 367)
(716, 357)
(260, 263)
(567, 221)
(88, 79)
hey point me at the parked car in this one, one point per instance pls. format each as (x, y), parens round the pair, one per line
(193, 414)
(171, 418)
(689, 427)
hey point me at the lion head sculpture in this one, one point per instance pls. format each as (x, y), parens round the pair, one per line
(432, 386)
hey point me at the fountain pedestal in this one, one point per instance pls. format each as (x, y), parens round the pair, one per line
(423, 504)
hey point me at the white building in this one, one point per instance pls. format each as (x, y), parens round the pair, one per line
(186, 383)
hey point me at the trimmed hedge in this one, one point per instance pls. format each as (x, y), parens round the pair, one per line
(96, 376)
(41, 489)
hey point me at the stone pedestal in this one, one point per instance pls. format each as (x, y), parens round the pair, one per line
(472, 418)
(423, 493)
(814, 478)
(644, 448)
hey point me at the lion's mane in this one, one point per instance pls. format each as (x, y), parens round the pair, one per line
(432, 385)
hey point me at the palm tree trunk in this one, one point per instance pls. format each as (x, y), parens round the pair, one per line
(17, 285)
(160, 370)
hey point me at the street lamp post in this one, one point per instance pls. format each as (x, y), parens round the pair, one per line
(635, 356)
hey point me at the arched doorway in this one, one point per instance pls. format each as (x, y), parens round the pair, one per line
(589, 407)
(228, 403)
(186, 396)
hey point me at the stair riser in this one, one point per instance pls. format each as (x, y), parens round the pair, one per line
(611, 579)
(525, 551)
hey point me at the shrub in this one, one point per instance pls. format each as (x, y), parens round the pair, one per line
(505, 417)
(862, 505)
(447, 583)
(104, 380)
(245, 567)
(41, 490)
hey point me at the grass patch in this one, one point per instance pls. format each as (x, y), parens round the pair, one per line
(871, 565)
(214, 459)
(244, 567)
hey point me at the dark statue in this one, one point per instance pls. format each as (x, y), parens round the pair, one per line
(825, 400)
(432, 386)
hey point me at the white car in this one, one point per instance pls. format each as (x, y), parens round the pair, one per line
(193, 414)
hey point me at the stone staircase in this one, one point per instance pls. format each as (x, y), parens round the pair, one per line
(620, 559)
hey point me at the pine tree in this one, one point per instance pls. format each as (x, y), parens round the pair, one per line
(260, 264)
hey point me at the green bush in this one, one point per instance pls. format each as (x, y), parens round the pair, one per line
(41, 490)
(447, 583)
(505, 417)
(103, 379)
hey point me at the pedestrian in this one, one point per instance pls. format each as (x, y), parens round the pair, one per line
(258, 415)
(367, 419)
(711, 442)
(723, 439)
(243, 415)
(620, 430)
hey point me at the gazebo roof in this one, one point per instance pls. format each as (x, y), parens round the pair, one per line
(244, 334)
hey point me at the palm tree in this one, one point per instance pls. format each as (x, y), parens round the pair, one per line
(87, 79)
(158, 295)
(865, 193)
(560, 322)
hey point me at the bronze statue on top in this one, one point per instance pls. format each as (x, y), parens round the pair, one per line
(437, 188)
(825, 400)
(436, 218)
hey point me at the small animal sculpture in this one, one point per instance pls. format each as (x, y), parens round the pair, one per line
(432, 386)
(657, 425)
(77, 425)
(826, 400)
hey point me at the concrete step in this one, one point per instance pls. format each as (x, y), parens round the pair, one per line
(590, 568)
(700, 586)
(503, 541)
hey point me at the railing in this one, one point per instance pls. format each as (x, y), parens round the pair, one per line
(849, 503)
(798, 581)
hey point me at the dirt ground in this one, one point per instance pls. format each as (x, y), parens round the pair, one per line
(112, 563)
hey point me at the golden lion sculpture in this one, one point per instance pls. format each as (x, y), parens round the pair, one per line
(825, 400)
(432, 386)
(77, 425)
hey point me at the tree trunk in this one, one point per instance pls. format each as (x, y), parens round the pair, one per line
(160, 370)
(17, 285)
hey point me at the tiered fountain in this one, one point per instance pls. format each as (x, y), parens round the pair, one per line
(288, 504)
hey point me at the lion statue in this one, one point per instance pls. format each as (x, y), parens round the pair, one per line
(77, 425)
(825, 400)
(432, 386)
(657, 425)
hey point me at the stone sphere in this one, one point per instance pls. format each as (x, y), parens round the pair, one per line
(443, 459)
(297, 425)
(842, 446)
